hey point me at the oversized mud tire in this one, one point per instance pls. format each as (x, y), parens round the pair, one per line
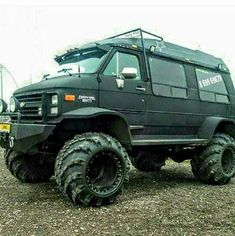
(216, 165)
(148, 161)
(28, 168)
(91, 169)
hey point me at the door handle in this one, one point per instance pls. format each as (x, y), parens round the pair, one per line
(140, 88)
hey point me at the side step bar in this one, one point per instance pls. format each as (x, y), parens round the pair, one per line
(145, 142)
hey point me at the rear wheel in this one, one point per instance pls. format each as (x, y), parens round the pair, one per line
(216, 165)
(29, 168)
(148, 161)
(91, 169)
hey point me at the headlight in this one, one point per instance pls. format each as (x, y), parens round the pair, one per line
(3, 106)
(54, 100)
(54, 110)
(13, 105)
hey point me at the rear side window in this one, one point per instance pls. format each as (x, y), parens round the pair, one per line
(211, 86)
(168, 78)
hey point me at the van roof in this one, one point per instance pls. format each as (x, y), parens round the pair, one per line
(155, 45)
(169, 50)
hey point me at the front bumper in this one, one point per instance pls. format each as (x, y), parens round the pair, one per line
(24, 137)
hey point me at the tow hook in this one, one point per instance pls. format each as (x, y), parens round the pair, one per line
(11, 141)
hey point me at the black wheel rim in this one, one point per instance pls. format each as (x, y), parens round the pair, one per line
(228, 161)
(104, 173)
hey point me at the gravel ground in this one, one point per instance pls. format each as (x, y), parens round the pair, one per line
(171, 202)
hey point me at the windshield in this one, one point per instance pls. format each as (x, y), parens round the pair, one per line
(78, 62)
(84, 61)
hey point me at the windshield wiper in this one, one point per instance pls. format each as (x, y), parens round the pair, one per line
(65, 70)
(45, 76)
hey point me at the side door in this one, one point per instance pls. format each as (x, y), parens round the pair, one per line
(126, 94)
(169, 104)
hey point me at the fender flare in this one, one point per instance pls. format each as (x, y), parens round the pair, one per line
(210, 124)
(121, 124)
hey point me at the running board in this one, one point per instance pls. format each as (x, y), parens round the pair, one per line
(132, 127)
(145, 142)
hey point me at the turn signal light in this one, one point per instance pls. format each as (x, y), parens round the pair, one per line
(69, 98)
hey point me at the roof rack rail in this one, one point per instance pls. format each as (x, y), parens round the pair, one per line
(136, 30)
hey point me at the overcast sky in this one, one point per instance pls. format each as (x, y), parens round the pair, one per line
(30, 35)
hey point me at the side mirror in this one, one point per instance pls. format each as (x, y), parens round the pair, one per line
(129, 73)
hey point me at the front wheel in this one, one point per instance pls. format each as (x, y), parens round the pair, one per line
(91, 169)
(216, 165)
(29, 168)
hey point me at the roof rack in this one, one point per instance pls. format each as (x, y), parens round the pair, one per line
(140, 34)
(155, 45)
(134, 31)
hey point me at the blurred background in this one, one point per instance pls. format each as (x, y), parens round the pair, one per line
(31, 35)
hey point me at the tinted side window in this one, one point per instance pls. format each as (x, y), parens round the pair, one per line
(121, 60)
(211, 86)
(168, 78)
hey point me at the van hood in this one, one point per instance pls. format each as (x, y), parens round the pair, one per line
(85, 81)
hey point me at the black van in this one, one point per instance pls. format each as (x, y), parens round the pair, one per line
(132, 95)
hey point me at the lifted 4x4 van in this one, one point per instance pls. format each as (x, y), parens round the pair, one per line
(132, 95)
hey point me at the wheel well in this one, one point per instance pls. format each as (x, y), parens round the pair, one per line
(212, 125)
(113, 125)
(226, 127)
